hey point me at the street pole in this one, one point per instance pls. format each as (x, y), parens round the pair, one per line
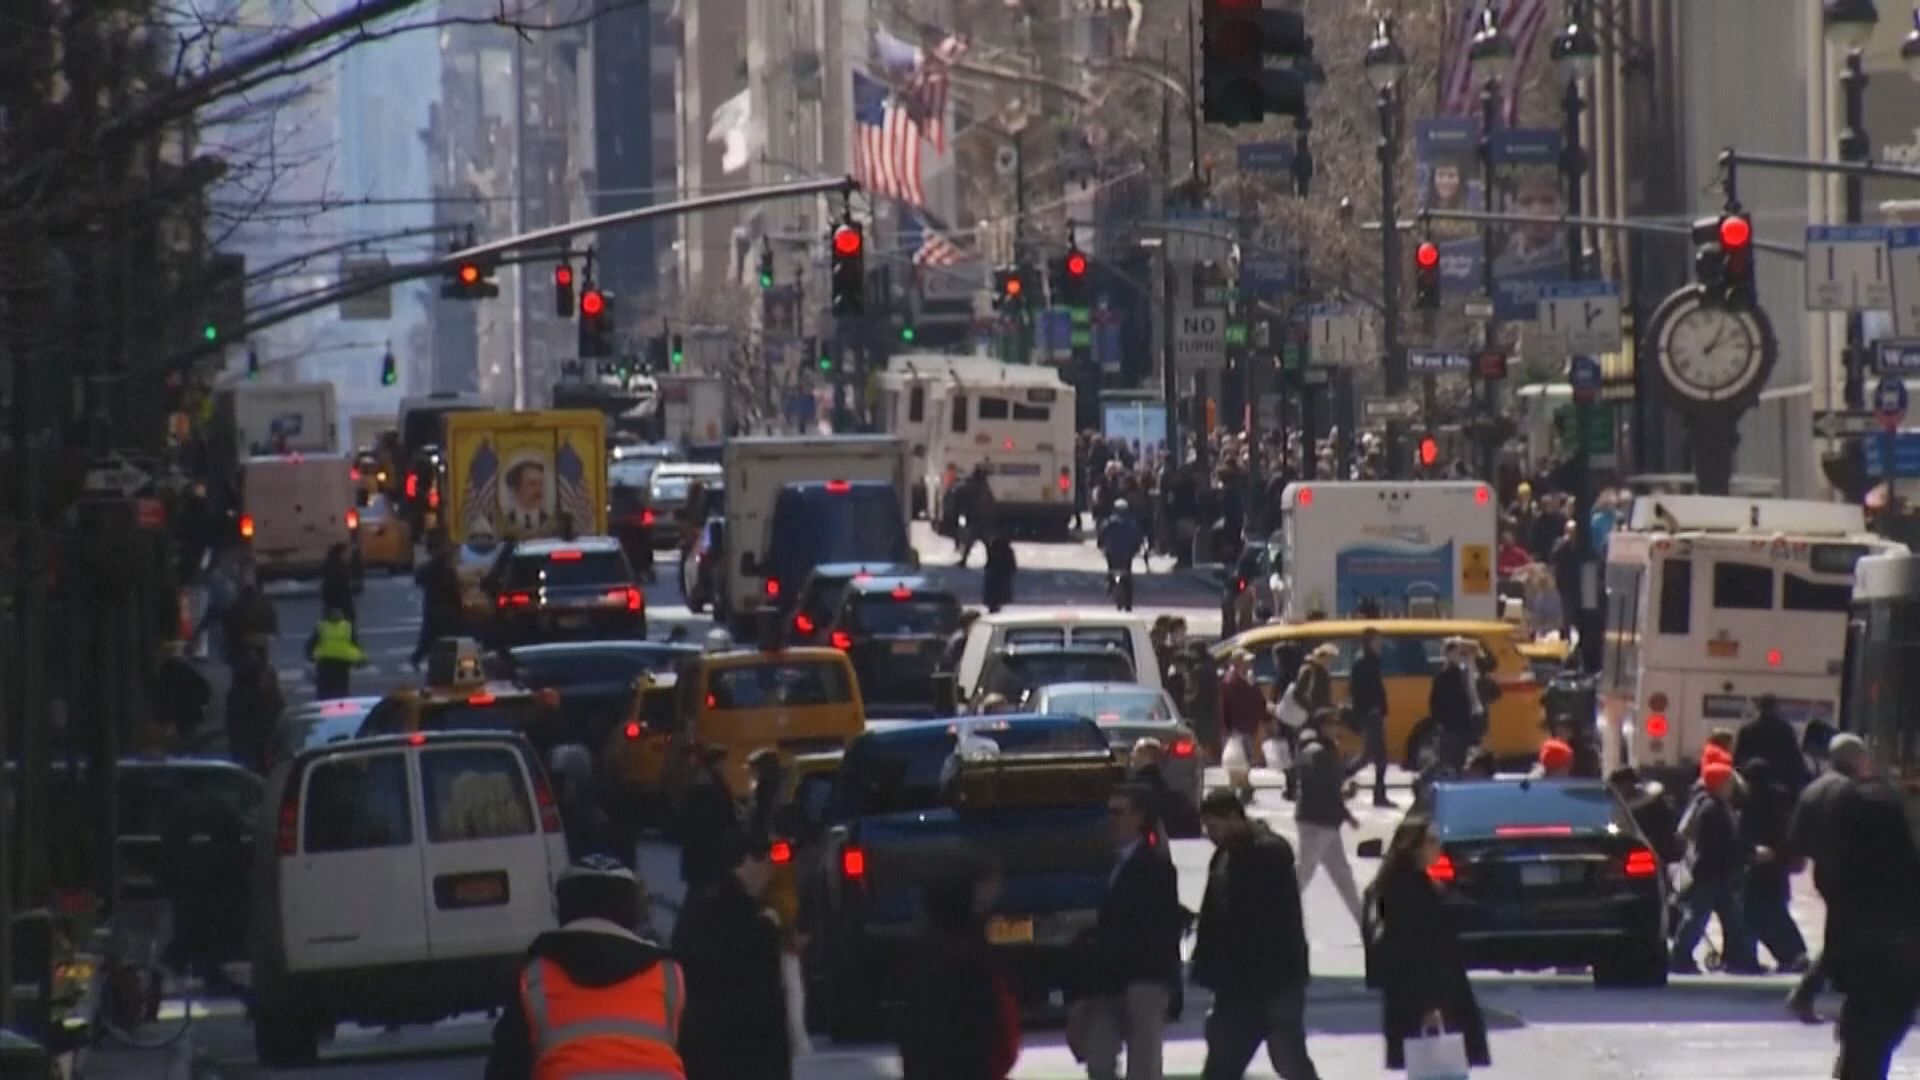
(1855, 148)
(1169, 370)
(1024, 314)
(1489, 119)
(1396, 360)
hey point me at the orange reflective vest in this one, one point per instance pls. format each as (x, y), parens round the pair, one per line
(624, 1030)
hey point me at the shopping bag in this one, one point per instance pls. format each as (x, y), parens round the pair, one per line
(796, 991)
(1235, 762)
(1279, 754)
(1437, 1055)
(1288, 709)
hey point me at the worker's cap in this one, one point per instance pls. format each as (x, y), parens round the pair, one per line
(1555, 754)
(1715, 754)
(1716, 775)
(1846, 745)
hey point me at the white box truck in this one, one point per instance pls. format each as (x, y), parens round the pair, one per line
(794, 503)
(255, 419)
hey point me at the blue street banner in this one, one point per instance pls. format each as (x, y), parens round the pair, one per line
(1446, 170)
(1526, 174)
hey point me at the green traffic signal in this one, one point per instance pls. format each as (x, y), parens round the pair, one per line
(906, 334)
(766, 280)
(826, 363)
(210, 332)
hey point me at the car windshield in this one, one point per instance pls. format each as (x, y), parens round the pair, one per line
(902, 775)
(1525, 807)
(923, 614)
(1115, 706)
(1019, 672)
(770, 685)
(588, 568)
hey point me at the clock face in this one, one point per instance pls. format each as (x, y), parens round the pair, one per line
(1710, 354)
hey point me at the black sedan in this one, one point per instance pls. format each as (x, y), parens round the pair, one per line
(567, 590)
(1551, 873)
(895, 631)
(595, 680)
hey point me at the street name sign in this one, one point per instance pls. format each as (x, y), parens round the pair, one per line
(1376, 410)
(1847, 269)
(1436, 362)
(1841, 424)
(1584, 315)
(1890, 402)
(1903, 257)
(1897, 357)
(1200, 235)
(1200, 339)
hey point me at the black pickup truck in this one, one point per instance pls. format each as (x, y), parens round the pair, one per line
(1029, 793)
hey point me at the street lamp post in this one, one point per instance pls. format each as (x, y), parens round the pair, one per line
(1385, 64)
(1491, 55)
(1849, 25)
(1575, 51)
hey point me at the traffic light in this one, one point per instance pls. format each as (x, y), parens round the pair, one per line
(389, 371)
(907, 334)
(470, 279)
(563, 291)
(1074, 278)
(1010, 290)
(1736, 257)
(596, 323)
(253, 364)
(766, 267)
(226, 310)
(823, 356)
(1426, 276)
(1239, 38)
(677, 353)
(849, 270)
(1427, 452)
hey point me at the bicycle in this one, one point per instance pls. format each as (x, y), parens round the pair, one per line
(1120, 588)
(135, 995)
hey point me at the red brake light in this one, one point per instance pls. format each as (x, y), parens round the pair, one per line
(288, 838)
(514, 599)
(433, 498)
(633, 731)
(1482, 496)
(1533, 830)
(646, 517)
(543, 798)
(780, 852)
(853, 862)
(481, 698)
(634, 599)
(1774, 657)
(353, 474)
(1441, 870)
(773, 587)
(841, 640)
(246, 526)
(1239, 585)
(901, 593)
(1657, 726)
(413, 486)
(353, 519)
(838, 487)
(804, 624)
(417, 739)
(1066, 480)
(1642, 863)
(1182, 748)
(565, 555)
(1304, 497)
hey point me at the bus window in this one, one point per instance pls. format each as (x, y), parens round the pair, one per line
(959, 414)
(1801, 594)
(1739, 587)
(1037, 413)
(1623, 624)
(993, 408)
(1676, 597)
(917, 405)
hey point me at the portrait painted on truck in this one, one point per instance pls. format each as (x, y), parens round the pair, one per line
(526, 489)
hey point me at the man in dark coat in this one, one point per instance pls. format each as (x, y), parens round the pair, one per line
(1873, 924)
(1450, 704)
(709, 819)
(1251, 949)
(1136, 945)
(729, 941)
(1771, 737)
(441, 606)
(1367, 695)
(1810, 836)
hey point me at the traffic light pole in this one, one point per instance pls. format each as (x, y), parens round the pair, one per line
(1586, 616)
(1396, 360)
(541, 240)
(1489, 390)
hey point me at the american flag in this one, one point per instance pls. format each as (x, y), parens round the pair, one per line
(936, 250)
(927, 88)
(1524, 22)
(886, 144)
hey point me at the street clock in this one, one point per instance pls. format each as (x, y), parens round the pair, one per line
(1711, 358)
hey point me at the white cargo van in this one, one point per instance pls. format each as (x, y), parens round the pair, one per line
(293, 507)
(400, 881)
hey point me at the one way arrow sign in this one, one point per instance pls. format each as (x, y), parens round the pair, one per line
(1844, 425)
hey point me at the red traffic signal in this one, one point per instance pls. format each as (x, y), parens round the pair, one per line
(592, 303)
(563, 276)
(1013, 285)
(847, 241)
(1735, 231)
(1427, 255)
(469, 273)
(1429, 451)
(1076, 264)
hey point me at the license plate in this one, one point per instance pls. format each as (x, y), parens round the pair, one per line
(905, 648)
(570, 622)
(1539, 874)
(487, 889)
(1002, 931)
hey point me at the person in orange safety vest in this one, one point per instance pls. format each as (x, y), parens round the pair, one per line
(595, 998)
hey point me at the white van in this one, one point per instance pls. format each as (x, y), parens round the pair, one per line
(400, 881)
(293, 508)
(1130, 634)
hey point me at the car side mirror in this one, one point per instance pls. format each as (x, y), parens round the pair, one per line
(1370, 849)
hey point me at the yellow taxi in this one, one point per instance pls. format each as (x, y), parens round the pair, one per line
(797, 701)
(385, 540)
(1411, 651)
(797, 828)
(369, 476)
(457, 695)
(643, 754)
(1547, 657)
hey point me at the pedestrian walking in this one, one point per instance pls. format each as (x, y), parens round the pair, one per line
(180, 693)
(1451, 706)
(335, 651)
(709, 819)
(996, 581)
(1770, 736)
(442, 606)
(595, 998)
(1136, 946)
(336, 583)
(1717, 862)
(730, 941)
(1810, 835)
(1765, 815)
(254, 703)
(1251, 947)
(1873, 924)
(1321, 811)
(1367, 697)
(961, 1018)
(1414, 952)
(1243, 712)
(1310, 692)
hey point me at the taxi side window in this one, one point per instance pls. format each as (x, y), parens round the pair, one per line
(1411, 656)
(358, 803)
(474, 794)
(759, 686)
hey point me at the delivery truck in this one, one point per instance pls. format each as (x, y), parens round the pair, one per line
(692, 409)
(256, 419)
(796, 502)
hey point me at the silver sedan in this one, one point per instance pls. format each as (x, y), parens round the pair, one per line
(1129, 712)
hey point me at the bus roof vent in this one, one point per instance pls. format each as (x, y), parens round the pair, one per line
(1727, 514)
